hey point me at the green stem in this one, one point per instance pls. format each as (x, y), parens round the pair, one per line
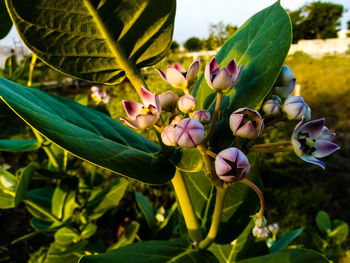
(31, 69)
(274, 144)
(258, 192)
(214, 118)
(183, 197)
(131, 71)
(270, 149)
(209, 166)
(214, 228)
(51, 156)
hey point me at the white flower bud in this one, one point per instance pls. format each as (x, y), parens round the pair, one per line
(187, 103)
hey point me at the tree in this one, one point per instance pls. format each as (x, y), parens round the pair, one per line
(317, 20)
(174, 47)
(218, 34)
(193, 44)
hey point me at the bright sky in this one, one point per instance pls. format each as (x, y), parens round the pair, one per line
(193, 17)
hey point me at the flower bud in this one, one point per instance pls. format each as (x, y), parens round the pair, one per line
(231, 164)
(246, 123)
(168, 100)
(189, 133)
(285, 91)
(187, 103)
(272, 108)
(202, 115)
(260, 232)
(168, 136)
(295, 108)
(285, 77)
(274, 228)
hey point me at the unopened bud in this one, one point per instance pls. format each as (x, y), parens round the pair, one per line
(285, 77)
(272, 108)
(202, 115)
(168, 100)
(168, 136)
(187, 103)
(189, 133)
(246, 123)
(295, 108)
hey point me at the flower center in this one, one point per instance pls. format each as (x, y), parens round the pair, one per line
(307, 143)
(235, 171)
(150, 110)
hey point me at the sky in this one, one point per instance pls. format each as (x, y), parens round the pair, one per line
(193, 17)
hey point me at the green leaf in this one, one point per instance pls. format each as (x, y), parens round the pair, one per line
(323, 222)
(175, 251)
(23, 183)
(19, 145)
(11, 65)
(107, 198)
(42, 197)
(191, 160)
(5, 20)
(7, 180)
(290, 256)
(340, 231)
(93, 40)
(66, 236)
(128, 237)
(282, 242)
(89, 134)
(146, 209)
(88, 231)
(244, 246)
(261, 46)
(82, 99)
(241, 202)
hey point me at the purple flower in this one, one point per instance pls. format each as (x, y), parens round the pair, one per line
(246, 123)
(296, 108)
(202, 115)
(312, 140)
(142, 116)
(178, 77)
(189, 133)
(231, 164)
(187, 103)
(168, 135)
(222, 80)
(168, 100)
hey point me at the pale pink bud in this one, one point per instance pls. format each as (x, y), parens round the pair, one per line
(246, 123)
(272, 108)
(296, 108)
(189, 133)
(168, 100)
(231, 164)
(168, 135)
(187, 103)
(202, 115)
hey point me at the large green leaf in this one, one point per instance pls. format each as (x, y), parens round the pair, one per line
(19, 145)
(88, 134)
(290, 256)
(243, 247)
(284, 240)
(89, 39)
(23, 182)
(5, 20)
(241, 202)
(175, 251)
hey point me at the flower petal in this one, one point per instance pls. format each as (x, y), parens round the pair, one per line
(148, 98)
(229, 154)
(221, 166)
(313, 128)
(132, 124)
(179, 68)
(247, 131)
(232, 67)
(235, 121)
(325, 134)
(324, 148)
(132, 108)
(193, 71)
(175, 77)
(297, 147)
(222, 81)
(145, 121)
(311, 159)
(161, 73)
(297, 129)
(238, 76)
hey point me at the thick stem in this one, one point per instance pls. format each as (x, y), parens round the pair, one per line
(215, 117)
(209, 166)
(131, 71)
(271, 149)
(183, 197)
(31, 69)
(258, 192)
(214, 228)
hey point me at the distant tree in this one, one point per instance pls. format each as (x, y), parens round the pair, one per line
(218, 34)
(193, 44)
(348, 34)
(174, 47)
(316, 20)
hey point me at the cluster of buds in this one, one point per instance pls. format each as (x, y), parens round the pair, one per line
(281, 101)
(99, 96)
(260, 229)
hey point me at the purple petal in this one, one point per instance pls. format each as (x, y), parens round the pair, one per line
(132, 108)
(146, 121)
(207, 75)
(247, 131)
(229, 154)
(222, 81)
(313, 128)
(324, 148)
(175, 77)
(161, 73)
(147, 97)
(311, 159)
(221, 166)
(179, 68)
(325, 134)
(235, 121)
(297, 129)
(157, 104)
(242, 161)
(193, 71)
(132, 124)
(237, 77)
(297, 147)
(232, 67)
(213, 65)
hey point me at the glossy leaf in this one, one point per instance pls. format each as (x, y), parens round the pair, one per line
(323, 222)
(245, 246)
(43, 198)
(5, 20)
(284, 240)
(191, 160)
(89, 39)
(66, 236)
(241, 202)
(340, 231)
(88, 231)
(146, 209)
(19, 145)
(88, 134)
(290, 256)
(23, 183)
(175, 251)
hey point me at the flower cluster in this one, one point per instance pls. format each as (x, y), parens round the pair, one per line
(99, 96)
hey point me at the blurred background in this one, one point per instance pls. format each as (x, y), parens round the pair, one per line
(295, 191)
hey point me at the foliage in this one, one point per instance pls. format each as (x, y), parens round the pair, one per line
(316, 20)
(193, 44)
(174, 47)
(5, 20)
(218, 34)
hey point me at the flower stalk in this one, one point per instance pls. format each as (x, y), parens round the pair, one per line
(215, 116)
(258, 192)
